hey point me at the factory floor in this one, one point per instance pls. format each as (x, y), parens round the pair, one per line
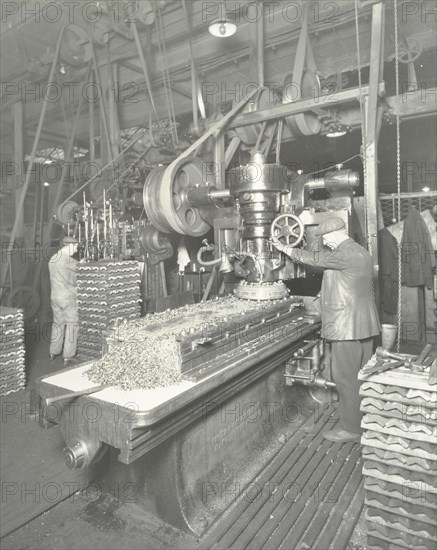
(45, 505)
(40, 511)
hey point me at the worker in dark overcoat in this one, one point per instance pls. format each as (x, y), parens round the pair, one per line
(349, 315)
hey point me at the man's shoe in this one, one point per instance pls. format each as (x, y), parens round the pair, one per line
(67, 362)
(52, 357)
(341, 436)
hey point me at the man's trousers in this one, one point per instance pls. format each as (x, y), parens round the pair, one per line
(65, 328)
(348, 357)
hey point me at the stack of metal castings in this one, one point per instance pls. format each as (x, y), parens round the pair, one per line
(400, 450)
(12, 369)
(157, 349)
(106, 291)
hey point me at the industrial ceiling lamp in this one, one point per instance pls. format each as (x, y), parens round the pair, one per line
(336, 130)
(222, 27)
(336, 133)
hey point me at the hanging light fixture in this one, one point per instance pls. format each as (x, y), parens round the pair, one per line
(222, 27)
(336, 130)
(337, 133)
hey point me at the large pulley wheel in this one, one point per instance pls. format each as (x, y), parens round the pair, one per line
(249, 134)
(152, 241)
(306, 124)
(100, 184)
(76, 45)
(101, 31)
(287, 229)
(66, 212)
(144, 9)
(165, 197)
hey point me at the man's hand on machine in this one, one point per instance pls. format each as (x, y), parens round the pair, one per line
(281, 247)
(287, 249)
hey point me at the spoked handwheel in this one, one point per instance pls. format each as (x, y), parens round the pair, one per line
(410, 51)
(287, 229)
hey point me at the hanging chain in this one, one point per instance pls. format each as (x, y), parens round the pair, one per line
(166, 76)
(363, 124)
(398, 175)
(161, 53)
(170, 93)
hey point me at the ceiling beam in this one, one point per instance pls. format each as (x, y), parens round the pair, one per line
(420, 101)
(130, 65)
(287, 109)
(137, 69)
(180, 91)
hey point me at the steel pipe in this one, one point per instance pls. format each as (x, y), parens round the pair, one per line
(207, 248)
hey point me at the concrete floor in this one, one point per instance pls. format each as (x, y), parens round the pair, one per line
(83, 522)
(39, 509)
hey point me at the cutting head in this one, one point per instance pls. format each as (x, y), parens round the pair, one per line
(261, 291)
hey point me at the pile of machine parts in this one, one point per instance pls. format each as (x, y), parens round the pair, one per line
(12, 373)
(149, 352)
(106, 291)
(399, 451)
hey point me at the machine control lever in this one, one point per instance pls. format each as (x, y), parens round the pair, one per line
(73, 395)
(201, 342)
(309, 345)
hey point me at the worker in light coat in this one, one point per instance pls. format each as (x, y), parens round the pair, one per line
(62, 269)
(349, 315)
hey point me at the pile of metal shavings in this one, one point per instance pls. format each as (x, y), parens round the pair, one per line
(146, 353)
(150, 364)
(12, 352)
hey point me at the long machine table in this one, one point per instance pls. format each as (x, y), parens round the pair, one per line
(210, 429)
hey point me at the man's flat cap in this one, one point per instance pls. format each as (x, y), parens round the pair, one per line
(330, 224)
(70, 240)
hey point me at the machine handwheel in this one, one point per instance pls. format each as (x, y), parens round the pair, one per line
(410, 52)
(288, 228)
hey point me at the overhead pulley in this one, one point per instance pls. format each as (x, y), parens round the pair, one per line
(308, 87)
(66, 212)
(249, 134)
(76, 45)
(303, 84)
(180, 197)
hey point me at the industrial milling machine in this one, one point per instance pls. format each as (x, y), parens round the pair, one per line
(245, 377)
